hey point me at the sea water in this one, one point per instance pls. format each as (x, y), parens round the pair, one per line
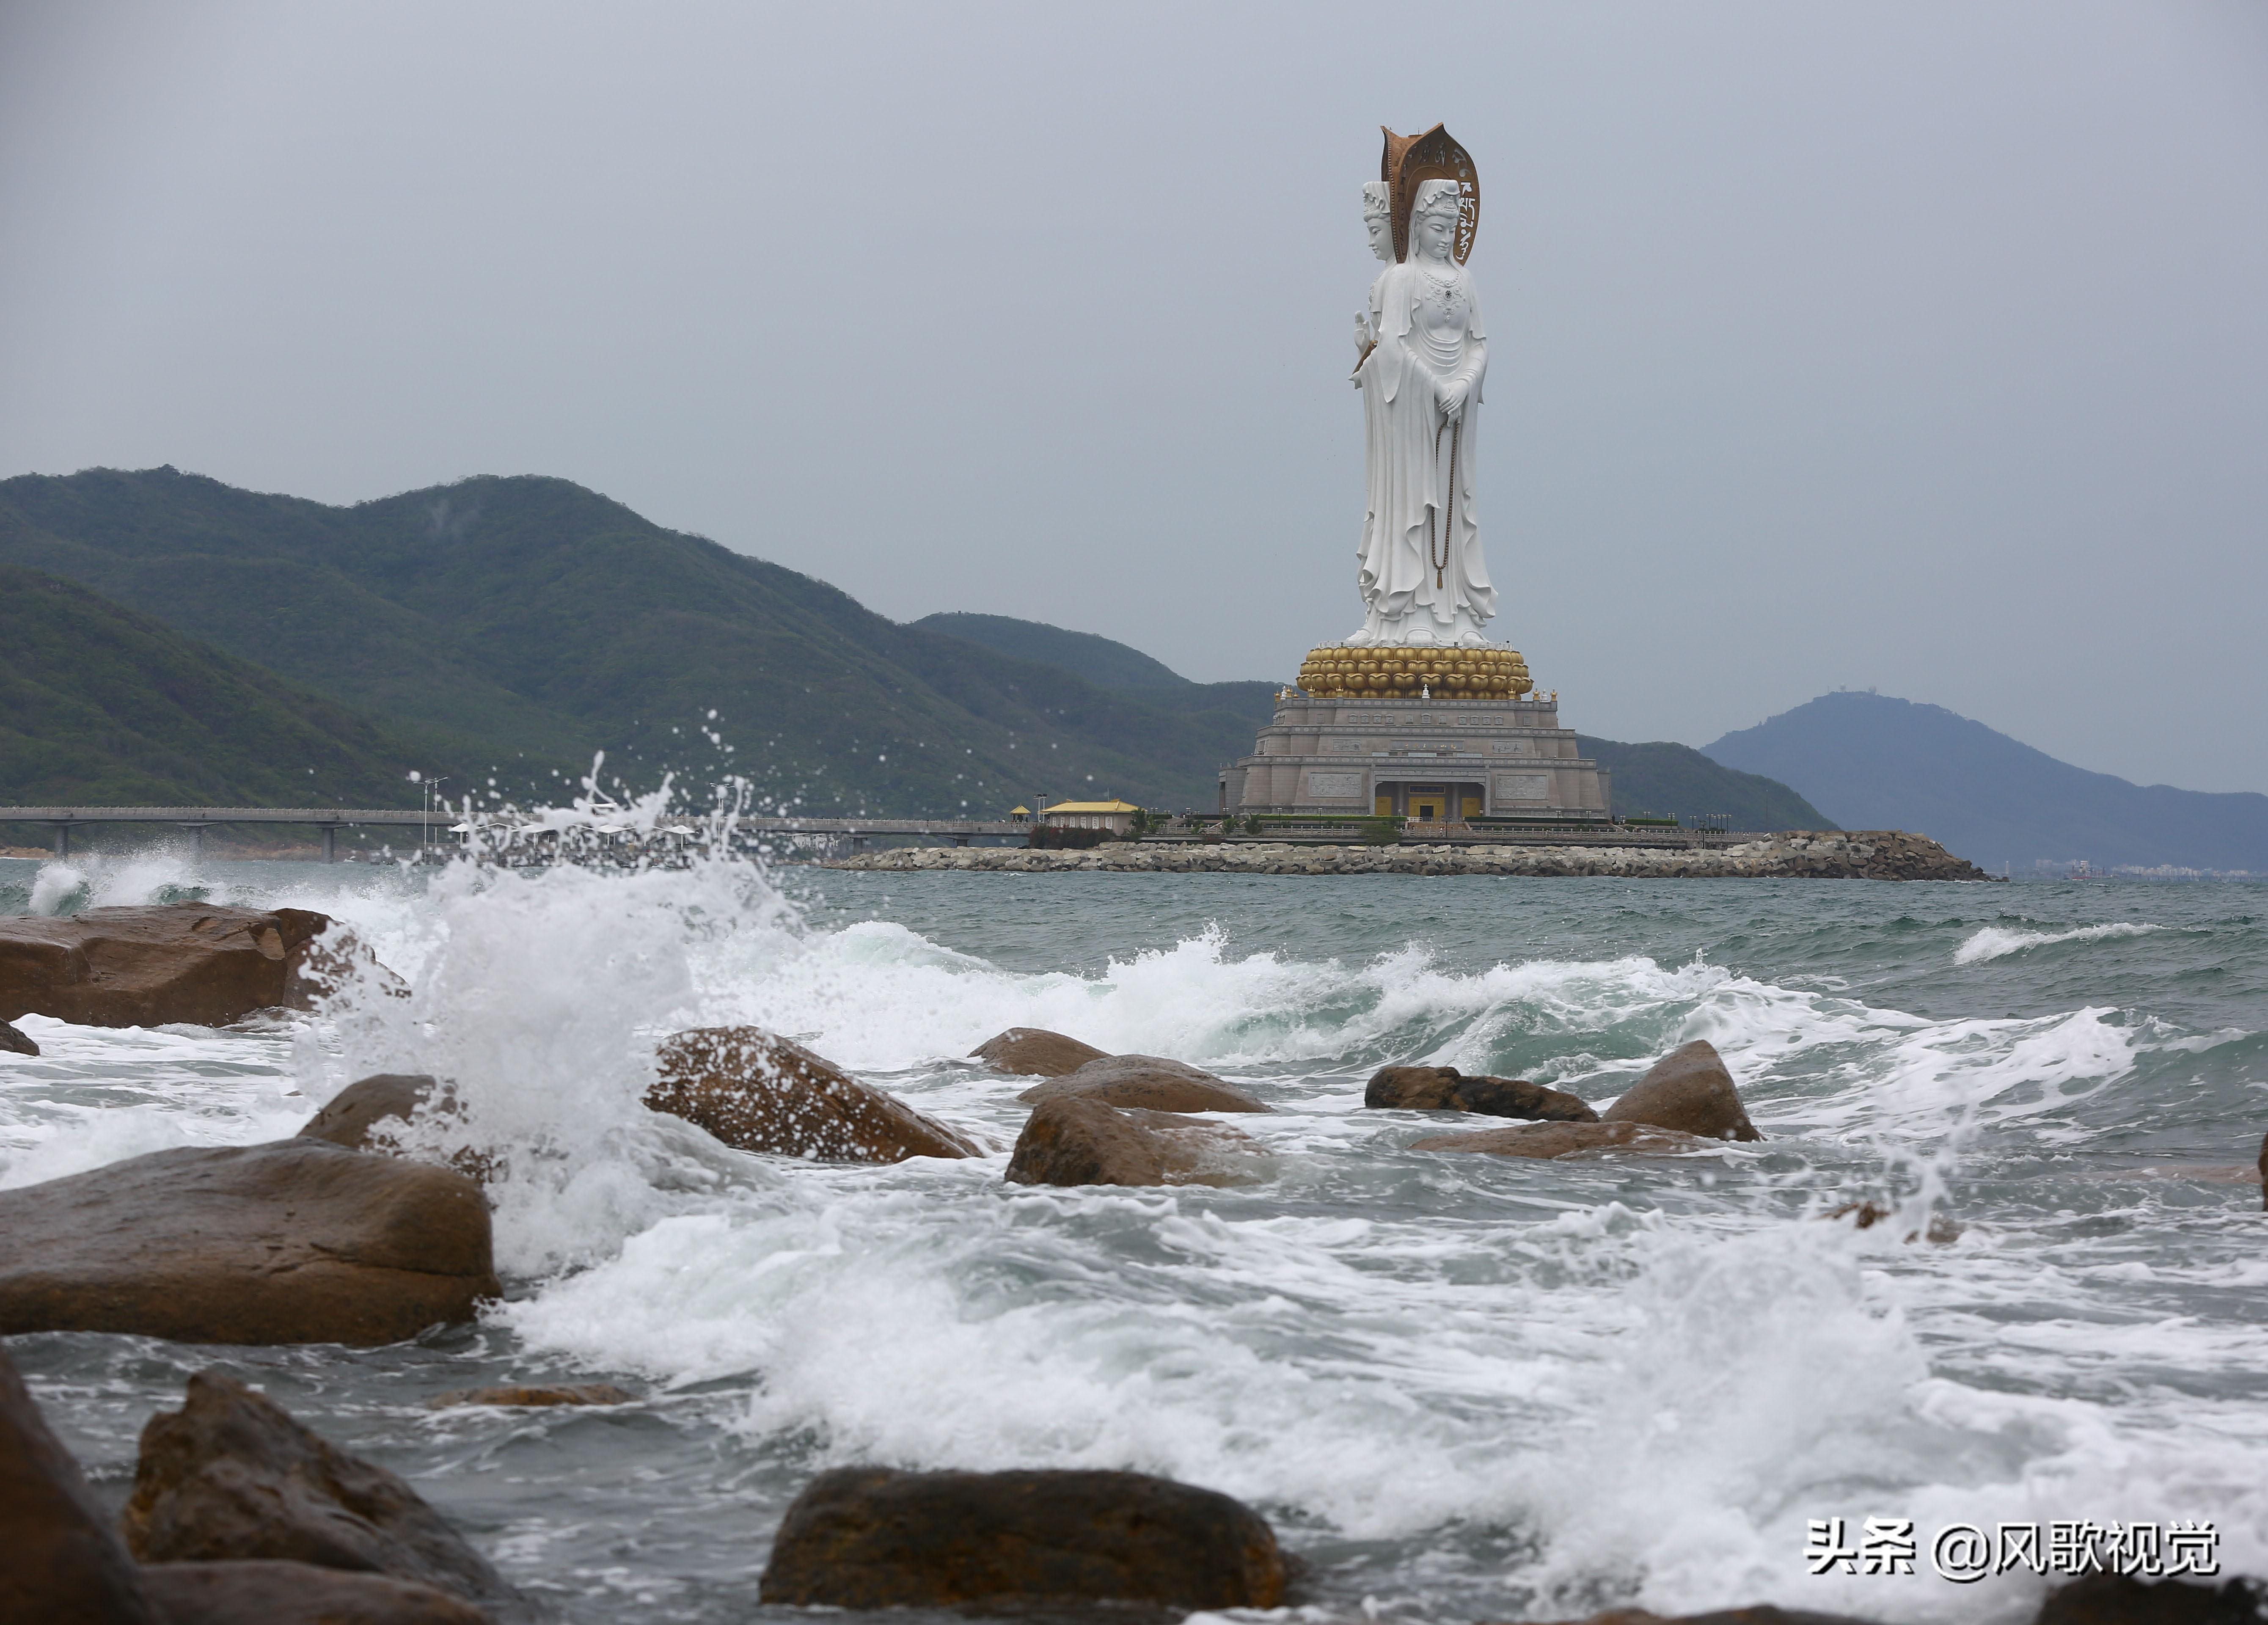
(1461, 1387)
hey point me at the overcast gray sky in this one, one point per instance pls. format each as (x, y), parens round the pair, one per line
(1921, 346)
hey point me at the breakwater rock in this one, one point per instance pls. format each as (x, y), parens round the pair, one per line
(233, 1476)
(872, 1538)
(292, 1242)
(757, 1091)
(1078, 1140)
(203, 964)
(1845, 854)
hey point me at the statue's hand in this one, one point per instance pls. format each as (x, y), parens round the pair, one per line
(1453, 397)
(1363, 336)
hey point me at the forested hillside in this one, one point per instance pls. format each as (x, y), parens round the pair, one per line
(530, 622)
(101, 706)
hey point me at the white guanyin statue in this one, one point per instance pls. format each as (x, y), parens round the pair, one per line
(1424, 353)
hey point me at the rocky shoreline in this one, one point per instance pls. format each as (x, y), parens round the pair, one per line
(1853, 855)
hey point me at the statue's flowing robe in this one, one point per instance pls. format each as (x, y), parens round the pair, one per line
(1429, 333)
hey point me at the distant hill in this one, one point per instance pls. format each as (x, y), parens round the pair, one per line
(1667, 780)
(1104, 663)
(522, 623)
(101, 706)
(1872, 762)
(1108, 664)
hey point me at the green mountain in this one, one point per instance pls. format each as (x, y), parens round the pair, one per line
(1104, 663)
(1667, 780)
(101, 706)
(513, 627)
(1879, 762)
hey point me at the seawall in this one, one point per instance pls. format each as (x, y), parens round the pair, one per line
(1855, 854)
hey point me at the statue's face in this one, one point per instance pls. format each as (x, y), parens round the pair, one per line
(1382, 235)
(1435, 232)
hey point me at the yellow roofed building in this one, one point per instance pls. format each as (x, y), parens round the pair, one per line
(1116, 816)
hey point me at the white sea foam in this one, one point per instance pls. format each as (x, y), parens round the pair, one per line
(1997, 941)
(58, 887)
(539, 995)
(104, 882)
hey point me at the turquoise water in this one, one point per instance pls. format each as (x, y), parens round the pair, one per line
(1461, 1387)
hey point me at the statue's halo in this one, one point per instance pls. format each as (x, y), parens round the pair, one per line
(1434, 156)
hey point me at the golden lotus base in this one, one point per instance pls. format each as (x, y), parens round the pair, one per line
(1338, 671)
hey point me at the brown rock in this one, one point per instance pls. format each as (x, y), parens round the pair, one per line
(203, 964)
(2122, 1599)
(282, 1593)
(16, 1041)
(369, 1112)
(1077, 1140)
(295, 1242)
(565, 1393)
(1546, 1140)
(362, 1105)
(332, 960)
(757, 1091)
(1688, 1090)
(59, 1559)
(1413, 1089)
(1445, 1088)
(872, 1538)
(231, 1476)
(1034, 1052)
(1868, 1215)
(1148, 1081)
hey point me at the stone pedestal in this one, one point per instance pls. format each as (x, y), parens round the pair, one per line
(1430, 760)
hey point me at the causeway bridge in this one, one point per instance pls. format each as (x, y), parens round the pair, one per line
(195, 821)
(446, 824)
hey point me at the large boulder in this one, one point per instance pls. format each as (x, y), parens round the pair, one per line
(16, 1041)
(870, 1538)
(1034, 1052)
(1076, 1140)
(1549, 1140)
(59, 1557)
(294, 1241)
(203, 964)
(282, 1593)
(1688, 1090)
(1445, 1088)
(231, 1475)
(757, 1091)
(1150, 1083)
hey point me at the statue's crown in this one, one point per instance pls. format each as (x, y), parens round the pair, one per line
(1377, 198)
(1437, 196)
(1409, 162)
